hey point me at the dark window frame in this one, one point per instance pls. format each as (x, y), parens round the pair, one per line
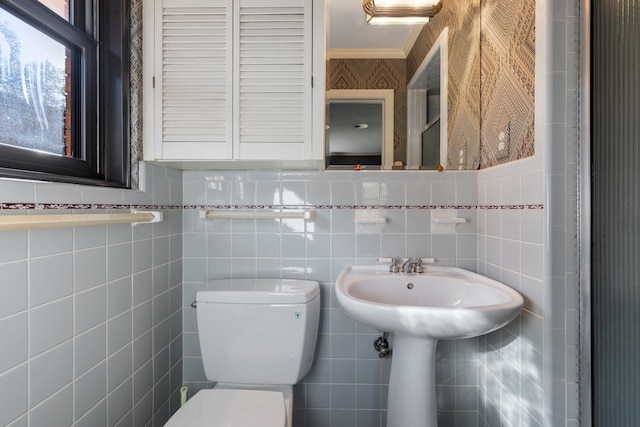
(100, 109)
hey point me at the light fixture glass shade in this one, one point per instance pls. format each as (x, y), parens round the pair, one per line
(405, 3)
(389, 20)
(400, 11)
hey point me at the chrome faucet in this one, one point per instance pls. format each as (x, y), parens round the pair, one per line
(413, 265)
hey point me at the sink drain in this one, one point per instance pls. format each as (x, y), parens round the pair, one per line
(410, 286)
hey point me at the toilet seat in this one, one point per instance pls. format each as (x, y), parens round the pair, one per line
(232, 408)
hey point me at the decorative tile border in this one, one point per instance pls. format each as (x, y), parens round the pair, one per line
(79, 206)
(511, 207)
(388, 207)
(89, 206)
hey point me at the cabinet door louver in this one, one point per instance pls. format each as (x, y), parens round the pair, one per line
(196, 110)
(273, 70)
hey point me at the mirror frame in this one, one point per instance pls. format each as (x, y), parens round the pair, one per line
(386, 98)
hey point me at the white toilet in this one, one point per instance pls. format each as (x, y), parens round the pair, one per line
(257, 337)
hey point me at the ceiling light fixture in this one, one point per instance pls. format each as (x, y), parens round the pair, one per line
(400, 11)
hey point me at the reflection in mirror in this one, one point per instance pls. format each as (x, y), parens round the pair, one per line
(360, 58)
(427, 109)
(359, 129)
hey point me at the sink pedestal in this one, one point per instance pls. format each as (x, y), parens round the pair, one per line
(412, 385)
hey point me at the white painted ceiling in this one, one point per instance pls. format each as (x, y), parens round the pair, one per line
(349, 37)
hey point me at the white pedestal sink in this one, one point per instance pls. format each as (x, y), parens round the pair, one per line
(420, 309)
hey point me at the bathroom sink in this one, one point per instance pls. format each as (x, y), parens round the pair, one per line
(420, 309)
(441, 303)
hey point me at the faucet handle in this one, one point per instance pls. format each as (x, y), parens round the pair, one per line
(395, 265)
(417, 265)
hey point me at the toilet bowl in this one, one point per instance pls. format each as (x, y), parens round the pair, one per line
(257, 338)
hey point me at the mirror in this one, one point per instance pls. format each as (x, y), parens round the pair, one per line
(366, 57)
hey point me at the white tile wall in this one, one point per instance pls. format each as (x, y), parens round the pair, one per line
(124, 346)
(511, 359)
(510, 246)
(87, 321)
(347, 384)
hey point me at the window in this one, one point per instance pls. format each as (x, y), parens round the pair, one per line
(64, 90)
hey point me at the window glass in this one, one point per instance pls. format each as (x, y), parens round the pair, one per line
(64, 88)
(34, 88)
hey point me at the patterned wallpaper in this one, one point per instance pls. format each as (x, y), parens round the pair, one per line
(491, 90)
(135, 64)
(507, 83)
(463, 19)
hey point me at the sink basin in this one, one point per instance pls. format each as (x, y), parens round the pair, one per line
(420, 309)
(442, 303)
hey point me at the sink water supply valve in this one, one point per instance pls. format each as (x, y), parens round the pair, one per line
(381, 344)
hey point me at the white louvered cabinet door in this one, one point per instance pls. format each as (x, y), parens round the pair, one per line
(233, 81)
(273, 68)
(193, 54)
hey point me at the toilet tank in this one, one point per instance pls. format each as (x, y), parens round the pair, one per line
(258, 331)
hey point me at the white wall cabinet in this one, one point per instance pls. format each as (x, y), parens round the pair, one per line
(231, 81)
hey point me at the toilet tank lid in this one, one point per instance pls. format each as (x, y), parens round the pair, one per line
(258, 291)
